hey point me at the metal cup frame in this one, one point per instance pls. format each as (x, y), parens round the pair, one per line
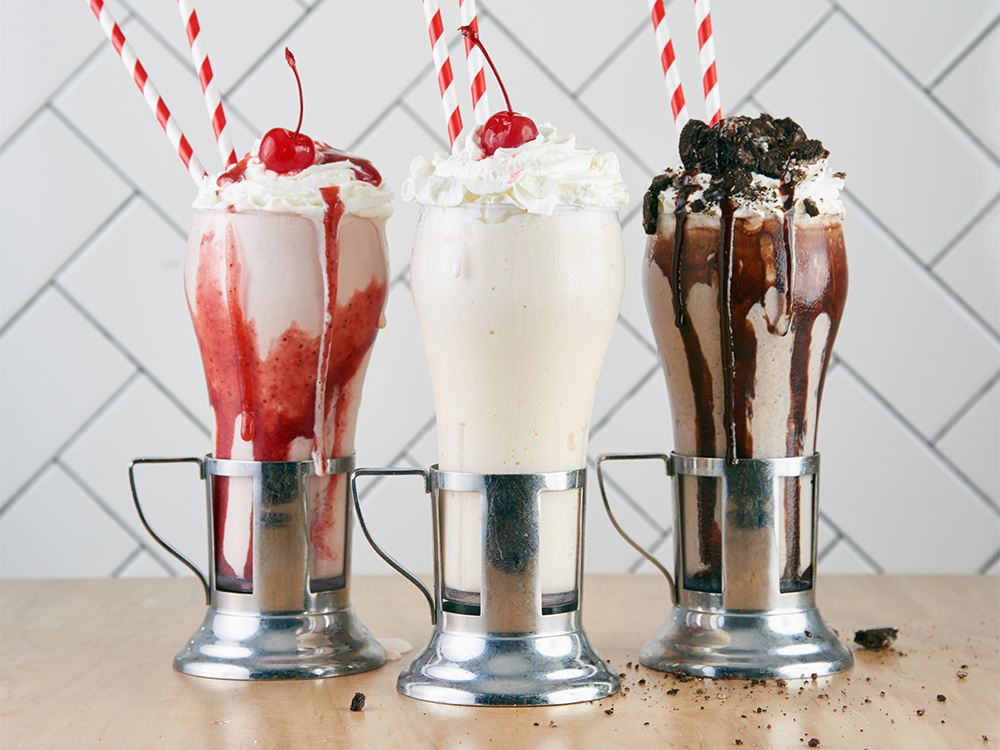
(281, 629)
(751, 629)
(511, 653)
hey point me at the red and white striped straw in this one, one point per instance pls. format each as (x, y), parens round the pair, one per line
(706, 55)
(669, 61)
(213, 99)
(156, 104)
(446, 79)
(474, 61)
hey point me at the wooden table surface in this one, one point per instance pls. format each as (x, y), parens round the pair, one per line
(88, 664)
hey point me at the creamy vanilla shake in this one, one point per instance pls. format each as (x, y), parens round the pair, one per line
(517, 277)
(286, 279)
(745, 279)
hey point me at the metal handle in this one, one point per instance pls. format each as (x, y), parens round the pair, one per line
(142, 517)
(614, 522)
(364, 528)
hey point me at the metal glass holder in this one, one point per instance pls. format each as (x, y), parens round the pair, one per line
(751, 628)
(281, 630)
(512, 653)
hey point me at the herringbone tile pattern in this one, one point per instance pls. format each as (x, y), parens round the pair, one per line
(98, 363)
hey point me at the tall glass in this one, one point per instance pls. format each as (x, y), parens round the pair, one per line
(285, 310)
(775, 321)
(516, 311)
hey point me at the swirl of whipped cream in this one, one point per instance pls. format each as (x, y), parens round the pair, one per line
(257, 188)
(816, 184)
(547, 172)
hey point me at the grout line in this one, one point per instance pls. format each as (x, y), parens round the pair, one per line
(844, 537)
(419, 121)
(103, 505)
(983, 213)
(919, 437)
(623, 321)
(989, 563)
(617, 406)
(828, 548)
(965, 409)
(955, 297)
(634, 567)
(792, 52)
(117, 572)
(987, 151)
(397, 102)
(615, 54)
(949, 67)
(16, 495)
(417, 437)
(113, 166)
(69, 260)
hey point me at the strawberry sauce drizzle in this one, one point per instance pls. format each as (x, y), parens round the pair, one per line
(278, 388)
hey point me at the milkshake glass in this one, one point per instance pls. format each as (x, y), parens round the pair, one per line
(745, 349)
(286, 280)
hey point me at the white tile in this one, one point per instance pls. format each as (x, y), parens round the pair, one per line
(235, 32)
(538, 96)
(397, 398)
(972, 268)
(143, 566)
(923, 39)
(391, 146)
(889, 169)
(105, 104)
(27, 165)
(424, 451)
(56, 370)
(994, 569)
(644, 121)
(969, 90)
(149, 314)
(626, 363)
(905, 336)
(841, 559)
(31, 29)
(143, 422)
(398, 515)
(570, 41)
(633, 303)
(891, 494)
(971, 444)
(345, 84)
(50, 532)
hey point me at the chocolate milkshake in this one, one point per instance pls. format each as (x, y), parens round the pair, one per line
(745, 279)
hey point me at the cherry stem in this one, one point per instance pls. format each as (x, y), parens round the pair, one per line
(473, 36)
(290, 59)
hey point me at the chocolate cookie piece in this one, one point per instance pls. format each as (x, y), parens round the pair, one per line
(876, 639)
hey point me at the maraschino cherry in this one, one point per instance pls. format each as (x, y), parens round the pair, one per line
(504, 129)
(282, 150)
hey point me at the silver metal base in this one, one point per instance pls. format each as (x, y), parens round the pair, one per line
(279, 647)
(792, 645)
(469, 669)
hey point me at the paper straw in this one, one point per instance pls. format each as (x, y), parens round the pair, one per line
(706, 55)
(474, 61)
(446, 79)
(671, 74)
(213, 99)
(156, 104)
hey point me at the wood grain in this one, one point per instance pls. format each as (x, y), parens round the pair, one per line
(88, 664)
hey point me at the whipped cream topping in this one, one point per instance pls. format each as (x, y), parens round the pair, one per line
(817, 192)
(261, 189)
(537, 177)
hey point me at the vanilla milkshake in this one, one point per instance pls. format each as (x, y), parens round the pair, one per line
(286, 276)
(517, 276)
(745, 279)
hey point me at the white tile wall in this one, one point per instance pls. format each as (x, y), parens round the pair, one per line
(97, 360)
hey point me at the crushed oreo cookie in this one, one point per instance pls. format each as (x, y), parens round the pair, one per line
(876, 639)
(358, 702)
(732, 151)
